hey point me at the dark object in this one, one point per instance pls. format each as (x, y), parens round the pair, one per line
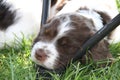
(45, 11)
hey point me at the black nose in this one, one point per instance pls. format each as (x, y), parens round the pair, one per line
(40, 55)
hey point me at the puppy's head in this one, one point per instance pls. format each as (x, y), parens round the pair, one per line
(60, 39)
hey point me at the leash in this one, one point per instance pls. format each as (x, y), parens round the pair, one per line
(45, 11)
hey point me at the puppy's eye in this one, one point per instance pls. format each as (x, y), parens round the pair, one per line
(46, 31)
(63, 41)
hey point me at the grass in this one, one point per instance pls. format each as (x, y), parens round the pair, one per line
(118, 4)
(15, 64)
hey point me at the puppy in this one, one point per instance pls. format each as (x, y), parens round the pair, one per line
(63, 35)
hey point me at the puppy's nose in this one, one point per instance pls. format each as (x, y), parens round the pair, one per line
(40, 55)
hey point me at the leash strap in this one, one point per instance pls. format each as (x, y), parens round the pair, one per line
(45, 11)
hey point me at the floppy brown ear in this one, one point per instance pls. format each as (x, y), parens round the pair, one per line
(99, 52)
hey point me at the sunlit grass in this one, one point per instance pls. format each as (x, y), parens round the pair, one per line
(118, 4)
(15, 64)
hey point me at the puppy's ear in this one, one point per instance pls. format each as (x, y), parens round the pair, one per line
(100, 52)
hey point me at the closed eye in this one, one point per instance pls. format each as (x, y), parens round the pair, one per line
(64, 41)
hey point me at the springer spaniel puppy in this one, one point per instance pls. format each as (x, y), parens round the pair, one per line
(64, 34)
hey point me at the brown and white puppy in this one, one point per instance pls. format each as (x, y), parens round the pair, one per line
(62, 36)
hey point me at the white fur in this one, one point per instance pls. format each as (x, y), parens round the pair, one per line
(27, 20)
(108, 6)
(50, 61)
(63, 28)
(95, 17)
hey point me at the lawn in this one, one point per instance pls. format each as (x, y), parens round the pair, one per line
(15, 64)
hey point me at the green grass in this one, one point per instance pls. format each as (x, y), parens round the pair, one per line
(15, 64)
(118, 4)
